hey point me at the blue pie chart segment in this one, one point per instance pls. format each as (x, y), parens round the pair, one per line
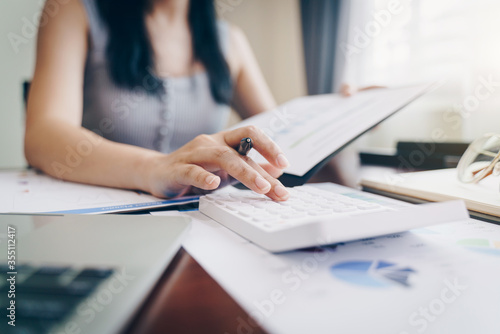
(376, 274)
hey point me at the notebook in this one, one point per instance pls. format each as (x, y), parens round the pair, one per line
(482, 199)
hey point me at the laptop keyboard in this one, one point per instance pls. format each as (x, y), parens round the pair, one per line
(46, 295)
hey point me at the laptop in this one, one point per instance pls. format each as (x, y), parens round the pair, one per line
(80, 273)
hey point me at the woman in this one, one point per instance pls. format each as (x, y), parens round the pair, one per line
(124, 91)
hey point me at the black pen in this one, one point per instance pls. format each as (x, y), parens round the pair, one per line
(245, 146)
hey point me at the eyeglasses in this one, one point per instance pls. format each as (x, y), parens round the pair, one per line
(481, 159)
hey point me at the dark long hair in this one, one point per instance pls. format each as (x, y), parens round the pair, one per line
(130, 55)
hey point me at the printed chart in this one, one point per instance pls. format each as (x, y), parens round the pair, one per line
(481, 245)
(373, 273)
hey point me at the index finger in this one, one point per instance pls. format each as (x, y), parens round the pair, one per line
(261, 142)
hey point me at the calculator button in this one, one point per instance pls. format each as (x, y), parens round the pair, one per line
(368, 206)
(320, 212)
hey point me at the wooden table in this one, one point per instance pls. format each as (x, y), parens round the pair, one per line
(187, 300)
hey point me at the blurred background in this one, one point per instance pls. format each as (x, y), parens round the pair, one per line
(312, 47)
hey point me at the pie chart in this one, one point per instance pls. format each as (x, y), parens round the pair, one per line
(375, 274)
(481, 245)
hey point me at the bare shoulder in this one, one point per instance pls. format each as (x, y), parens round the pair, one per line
(60, 62)
(65, 10)
(236, 34)
(239, 48)
(63, 28)
(237, 39)
(61, 19)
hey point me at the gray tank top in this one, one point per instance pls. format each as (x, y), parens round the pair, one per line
(162, 122)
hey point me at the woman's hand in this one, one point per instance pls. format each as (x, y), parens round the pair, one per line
(209, 161)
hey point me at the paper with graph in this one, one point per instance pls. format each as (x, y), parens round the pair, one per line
(424, 281)
(309, 129)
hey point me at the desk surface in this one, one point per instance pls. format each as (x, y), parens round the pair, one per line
(187, 300)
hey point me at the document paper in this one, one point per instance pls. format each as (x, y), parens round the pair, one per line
(438, 279)
(309, 129)
(30, 192)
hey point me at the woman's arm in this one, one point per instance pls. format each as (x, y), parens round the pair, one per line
(56, 143)
(252, 94)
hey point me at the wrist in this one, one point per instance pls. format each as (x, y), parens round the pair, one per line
(145, 166)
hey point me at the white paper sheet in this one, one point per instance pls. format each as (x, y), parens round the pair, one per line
(442, 279)
(309, 129)
(29, 192)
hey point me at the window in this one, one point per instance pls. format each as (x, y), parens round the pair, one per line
(400, 42)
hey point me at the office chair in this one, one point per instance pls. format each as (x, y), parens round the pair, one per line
(26, 89)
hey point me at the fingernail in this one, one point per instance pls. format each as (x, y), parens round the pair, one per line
(281, 191)
(262, 184)
(210, 179)
(282, 160)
